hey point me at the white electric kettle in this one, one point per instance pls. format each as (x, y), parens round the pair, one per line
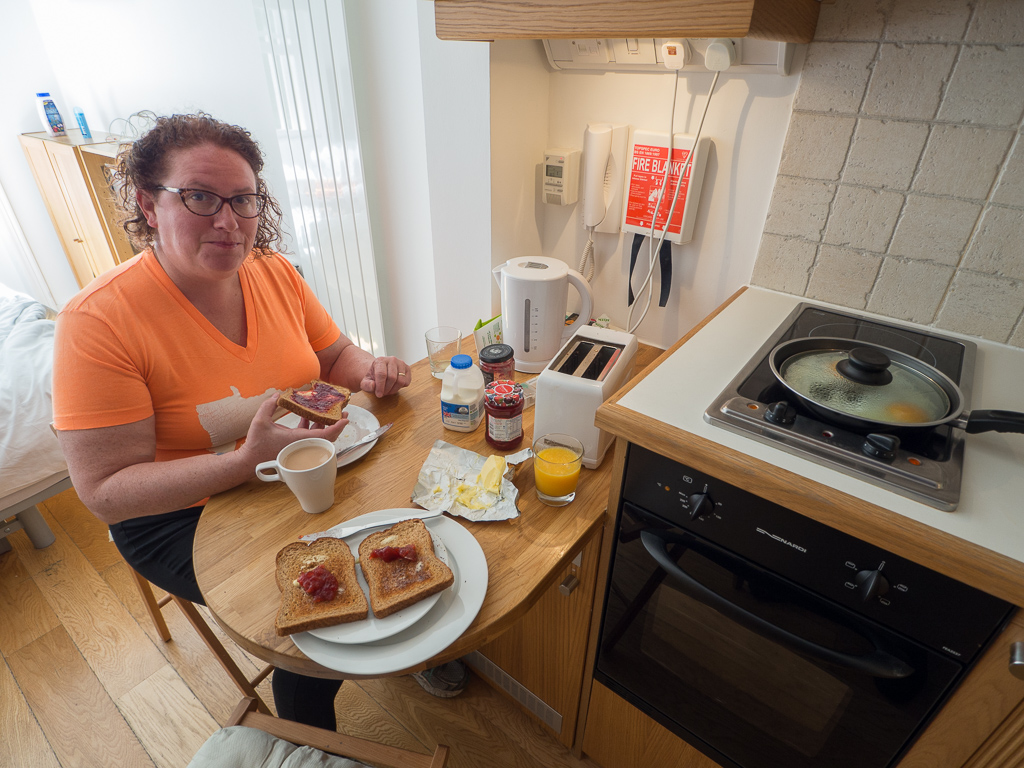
(534, 294)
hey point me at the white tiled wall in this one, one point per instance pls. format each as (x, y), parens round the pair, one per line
(901, 185)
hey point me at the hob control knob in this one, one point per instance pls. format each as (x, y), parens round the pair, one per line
(881, 446)
(701, 506)
(871, 584)
(780, 412)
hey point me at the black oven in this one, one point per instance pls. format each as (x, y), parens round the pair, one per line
(764, 638)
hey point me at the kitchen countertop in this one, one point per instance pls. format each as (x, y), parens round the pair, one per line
(981, 542)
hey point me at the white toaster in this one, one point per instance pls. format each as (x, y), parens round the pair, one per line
(588, 369)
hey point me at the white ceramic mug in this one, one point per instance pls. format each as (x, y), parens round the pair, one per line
(308, 467)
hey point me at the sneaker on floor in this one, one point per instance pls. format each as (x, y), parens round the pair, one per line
(445, 681)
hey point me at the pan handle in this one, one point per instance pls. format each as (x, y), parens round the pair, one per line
(994, 421)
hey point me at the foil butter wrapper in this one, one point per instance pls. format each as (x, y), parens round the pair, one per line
(448, 482)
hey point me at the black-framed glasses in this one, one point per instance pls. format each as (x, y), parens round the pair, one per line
(204, 203)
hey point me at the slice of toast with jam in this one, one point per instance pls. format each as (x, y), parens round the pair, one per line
(318, 586)
(321, 401)
(401, 567)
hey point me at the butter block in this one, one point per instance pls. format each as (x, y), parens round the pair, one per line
(491, 473)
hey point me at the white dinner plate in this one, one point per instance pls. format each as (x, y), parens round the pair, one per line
(360, 423)
(372, 628)
(440, 627)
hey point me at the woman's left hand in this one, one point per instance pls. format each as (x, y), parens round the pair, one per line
(385, 376)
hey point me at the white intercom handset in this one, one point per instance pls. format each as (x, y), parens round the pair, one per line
(597, 150)
(604, 158)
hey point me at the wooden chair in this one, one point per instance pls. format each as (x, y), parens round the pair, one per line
(246, 714)
(153, 606)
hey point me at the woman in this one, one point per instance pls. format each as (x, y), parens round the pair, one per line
(168, 367)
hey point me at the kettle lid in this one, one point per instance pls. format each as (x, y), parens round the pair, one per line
(536, 268)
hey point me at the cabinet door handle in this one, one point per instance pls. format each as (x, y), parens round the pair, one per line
(79, 240)
(1017, 660)
(569, 584)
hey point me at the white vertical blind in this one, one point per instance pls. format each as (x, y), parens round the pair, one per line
(305, 47)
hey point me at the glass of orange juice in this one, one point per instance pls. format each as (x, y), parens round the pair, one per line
(556, 468)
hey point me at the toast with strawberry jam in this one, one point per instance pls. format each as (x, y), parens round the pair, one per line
(321, 401)
(401, 567)
(318, 586)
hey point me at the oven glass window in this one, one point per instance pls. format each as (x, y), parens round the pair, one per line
(745, 698)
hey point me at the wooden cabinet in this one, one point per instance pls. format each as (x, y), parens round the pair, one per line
(74, 177)
(791, 21)
(618, 735)
(540, 661)
(982, 725)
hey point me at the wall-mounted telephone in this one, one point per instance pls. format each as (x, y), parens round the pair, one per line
(604, 161)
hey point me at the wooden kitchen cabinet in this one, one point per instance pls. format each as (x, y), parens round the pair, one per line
(791, 21)
(73, 175)
(982, 725)
(545, 651)
(618, 735)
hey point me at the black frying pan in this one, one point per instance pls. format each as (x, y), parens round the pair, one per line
(869, 388)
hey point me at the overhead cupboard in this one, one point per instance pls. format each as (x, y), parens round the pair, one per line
(75, 177)
(790, 21)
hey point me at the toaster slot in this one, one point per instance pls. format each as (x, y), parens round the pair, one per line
(574, 358)
(602, 363)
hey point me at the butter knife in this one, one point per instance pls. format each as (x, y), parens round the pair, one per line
(343, 531)
(364, 440)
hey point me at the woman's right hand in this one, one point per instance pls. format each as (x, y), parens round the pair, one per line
(266, 438)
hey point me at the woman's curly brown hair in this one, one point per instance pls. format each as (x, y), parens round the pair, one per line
(141, 165)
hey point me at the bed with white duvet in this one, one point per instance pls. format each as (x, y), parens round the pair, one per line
(32, 467)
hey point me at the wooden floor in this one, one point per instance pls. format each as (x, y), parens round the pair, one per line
(85, 681)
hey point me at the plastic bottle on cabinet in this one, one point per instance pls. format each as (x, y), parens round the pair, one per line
(462, 395)
(50, 115)
(82, 124)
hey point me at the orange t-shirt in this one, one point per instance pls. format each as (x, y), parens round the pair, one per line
(131, 346)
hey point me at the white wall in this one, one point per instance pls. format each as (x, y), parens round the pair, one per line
(113, 58)
(26, 70)
(747, 123)
(456, 99)
(423, 121)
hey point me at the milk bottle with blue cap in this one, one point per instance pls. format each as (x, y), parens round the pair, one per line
(462, 395)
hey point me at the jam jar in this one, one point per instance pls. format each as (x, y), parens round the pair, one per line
(496, 362)
(503, 411)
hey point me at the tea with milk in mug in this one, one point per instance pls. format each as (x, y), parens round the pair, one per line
(307, 457)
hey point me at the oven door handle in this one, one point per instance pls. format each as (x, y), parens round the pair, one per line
(877, 664)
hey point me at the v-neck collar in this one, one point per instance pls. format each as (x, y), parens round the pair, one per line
(246, 353)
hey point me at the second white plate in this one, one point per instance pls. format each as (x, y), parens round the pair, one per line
(360, 423)
(442, 625)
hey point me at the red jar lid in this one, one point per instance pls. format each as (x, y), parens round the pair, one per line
(504, 393)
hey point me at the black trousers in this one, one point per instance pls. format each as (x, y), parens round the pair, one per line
(159, 548)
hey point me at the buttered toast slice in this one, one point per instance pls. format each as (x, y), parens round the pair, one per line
(398, 583)
(301, 610)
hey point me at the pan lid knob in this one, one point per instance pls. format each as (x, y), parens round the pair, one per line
(866, 365)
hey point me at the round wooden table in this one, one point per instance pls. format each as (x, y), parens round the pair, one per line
(241, 530)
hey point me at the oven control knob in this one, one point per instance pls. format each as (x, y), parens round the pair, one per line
(871, 584)
(881, 446)
(780, 413)
(701, 506)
